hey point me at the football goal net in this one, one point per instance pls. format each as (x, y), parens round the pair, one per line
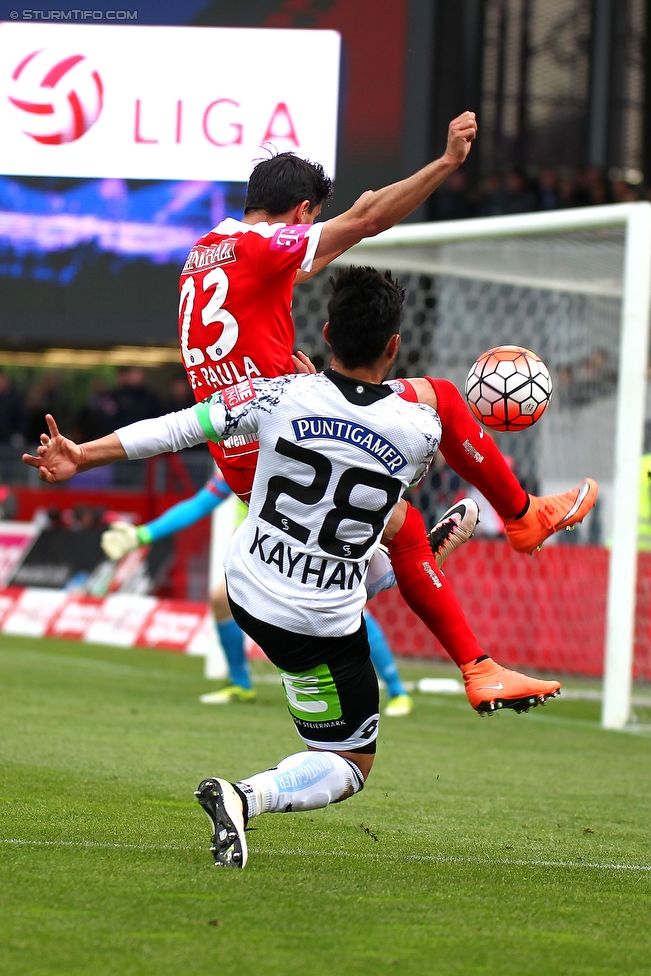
(573, 286)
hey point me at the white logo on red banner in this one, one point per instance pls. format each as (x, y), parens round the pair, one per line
(235, 396)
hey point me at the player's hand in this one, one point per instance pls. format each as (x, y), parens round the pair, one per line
(119, 539)
(58, 457)
(302, 363)
(461, 133)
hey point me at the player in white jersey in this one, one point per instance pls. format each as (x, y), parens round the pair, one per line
(337, 451)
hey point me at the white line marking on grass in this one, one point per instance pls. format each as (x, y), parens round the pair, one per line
(444, 859)
(93, 843)
(301, 852)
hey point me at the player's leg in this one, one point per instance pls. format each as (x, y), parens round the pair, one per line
(306, 780)
(332, 695)
(240, 688)
(399, 703)
(455, 527)
(528, 519)
(429, 594)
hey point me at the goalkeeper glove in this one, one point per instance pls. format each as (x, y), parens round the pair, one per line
(122, 537)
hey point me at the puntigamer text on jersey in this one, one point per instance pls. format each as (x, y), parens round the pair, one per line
(344, 430)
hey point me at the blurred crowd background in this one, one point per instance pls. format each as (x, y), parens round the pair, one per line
(86, 405)
(517, 191)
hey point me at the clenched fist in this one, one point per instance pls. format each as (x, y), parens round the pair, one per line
(461, 133)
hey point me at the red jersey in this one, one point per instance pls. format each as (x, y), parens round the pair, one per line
(235, 317)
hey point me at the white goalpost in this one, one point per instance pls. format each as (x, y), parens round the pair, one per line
(579, 283)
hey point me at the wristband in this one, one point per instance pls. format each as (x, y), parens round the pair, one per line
(144, 535)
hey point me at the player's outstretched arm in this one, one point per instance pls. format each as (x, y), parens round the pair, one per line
(58, 458)
(378, 210)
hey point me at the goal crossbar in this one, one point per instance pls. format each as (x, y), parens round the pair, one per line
(634, 289)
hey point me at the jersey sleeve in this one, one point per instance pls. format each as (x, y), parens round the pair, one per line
(240, 409)
(404, 390)
(288, 249)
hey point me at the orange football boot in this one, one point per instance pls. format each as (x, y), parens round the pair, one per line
(550, 514)
(490, 687)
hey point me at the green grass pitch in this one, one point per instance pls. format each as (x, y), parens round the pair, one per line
(510, 845)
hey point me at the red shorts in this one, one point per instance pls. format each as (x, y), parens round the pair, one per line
(237, 470)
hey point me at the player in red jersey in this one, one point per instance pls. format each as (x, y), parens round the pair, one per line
(236, 286)
(235, 323)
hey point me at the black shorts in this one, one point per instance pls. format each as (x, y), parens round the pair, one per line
(330, 683)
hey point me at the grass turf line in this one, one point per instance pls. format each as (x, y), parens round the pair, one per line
(516, 843)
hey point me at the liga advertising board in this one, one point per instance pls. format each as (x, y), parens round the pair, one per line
(163, 103)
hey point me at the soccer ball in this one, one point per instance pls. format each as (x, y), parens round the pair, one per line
(508, 388)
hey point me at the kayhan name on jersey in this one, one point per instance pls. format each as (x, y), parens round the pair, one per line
(344, 430)
(308, 569)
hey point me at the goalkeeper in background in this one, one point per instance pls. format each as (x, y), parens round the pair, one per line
(122, 537)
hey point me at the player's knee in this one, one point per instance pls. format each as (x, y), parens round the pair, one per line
(396, 521)
(449, 400)
(363, 761)
(317, 778)
(219, 604)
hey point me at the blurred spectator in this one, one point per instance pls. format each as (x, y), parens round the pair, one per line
(450, 202)
(491, 197)
(86, 517)
(566, 191)
(47, 396)
(13, 420)
(520, 196)
(598, 189)
(133, 398)
(97, 416)
(548, 190)
(587, 380)
(180, 396)
(624, 192)
(581, 195)
(520, 192)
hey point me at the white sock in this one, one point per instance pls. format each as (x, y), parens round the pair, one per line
(380, 575)
(304, 781)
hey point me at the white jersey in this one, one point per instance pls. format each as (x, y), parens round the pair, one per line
(336, 454)
(329, 474)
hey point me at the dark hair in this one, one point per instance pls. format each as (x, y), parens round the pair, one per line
(282, 182)
(364, 312)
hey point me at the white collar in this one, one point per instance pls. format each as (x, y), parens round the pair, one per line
(231, 226)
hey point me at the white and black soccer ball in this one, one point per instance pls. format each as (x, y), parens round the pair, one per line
(508, 388)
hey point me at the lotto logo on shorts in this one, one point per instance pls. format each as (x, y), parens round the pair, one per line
(235, 396)
(290, 239)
